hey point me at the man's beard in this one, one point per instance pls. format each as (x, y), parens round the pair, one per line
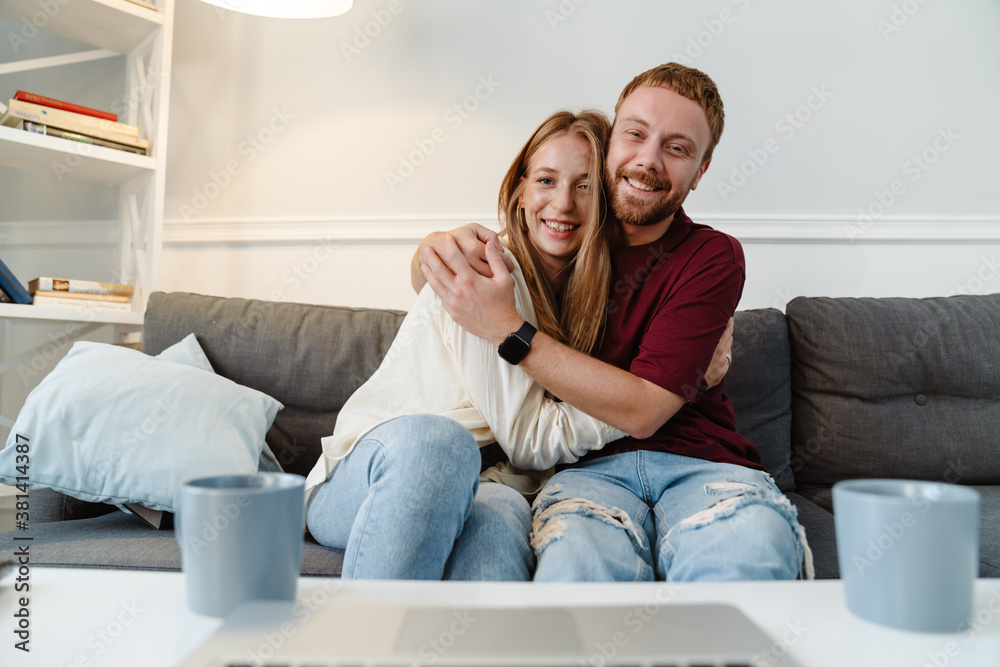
(630, 210)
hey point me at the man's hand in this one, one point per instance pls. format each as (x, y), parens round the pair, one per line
(471, 240)
(719, 366)
(482, 305)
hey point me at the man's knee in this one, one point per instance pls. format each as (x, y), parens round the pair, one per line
(762, 523)
(553, 518)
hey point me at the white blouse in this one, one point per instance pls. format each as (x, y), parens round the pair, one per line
(436, 367)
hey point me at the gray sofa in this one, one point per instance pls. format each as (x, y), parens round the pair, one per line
(833, 389)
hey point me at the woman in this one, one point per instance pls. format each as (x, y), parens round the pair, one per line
(398, 484)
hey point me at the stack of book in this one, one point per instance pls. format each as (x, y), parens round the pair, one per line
(77, 293)
(44, 115)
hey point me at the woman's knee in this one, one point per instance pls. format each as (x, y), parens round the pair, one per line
(430, 445)
(493, 545)
(503, 508)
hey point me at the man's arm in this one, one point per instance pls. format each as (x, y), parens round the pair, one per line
(485, 307)
(608, 393)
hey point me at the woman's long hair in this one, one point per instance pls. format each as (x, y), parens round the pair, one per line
(577, 317)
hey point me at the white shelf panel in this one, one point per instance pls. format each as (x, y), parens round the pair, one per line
(67, 314)
(27, 150)
(117, 25)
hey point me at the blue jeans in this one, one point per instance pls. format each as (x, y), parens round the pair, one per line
(640, 516)
(406, 503)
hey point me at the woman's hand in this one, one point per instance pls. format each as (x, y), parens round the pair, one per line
(482, 305)
(721, 359)
(469, 240)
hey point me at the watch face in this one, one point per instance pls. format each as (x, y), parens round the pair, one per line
(513, 349)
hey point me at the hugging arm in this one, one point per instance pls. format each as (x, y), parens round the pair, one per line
(536, 432)
(639, 407)
(469, 241)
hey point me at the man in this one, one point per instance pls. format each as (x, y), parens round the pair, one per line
(684, 497)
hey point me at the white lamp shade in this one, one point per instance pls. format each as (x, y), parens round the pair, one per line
(287, 9)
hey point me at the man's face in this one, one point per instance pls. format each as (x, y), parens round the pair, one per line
(655, 155)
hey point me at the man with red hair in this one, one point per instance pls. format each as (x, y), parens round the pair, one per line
(684, 497)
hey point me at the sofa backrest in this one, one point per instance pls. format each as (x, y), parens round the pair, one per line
(759, 384)
(895, 388)
(311, 358)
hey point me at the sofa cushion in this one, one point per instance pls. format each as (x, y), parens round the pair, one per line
(310, 358)
(759, 385)
(895, 388)
(121, 541)
(989, 519)
(820, 534)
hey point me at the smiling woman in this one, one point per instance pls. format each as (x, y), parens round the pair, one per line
(398, 487)
(555, 201)
(552, 214)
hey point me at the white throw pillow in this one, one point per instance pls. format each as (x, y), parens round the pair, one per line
(114, 425)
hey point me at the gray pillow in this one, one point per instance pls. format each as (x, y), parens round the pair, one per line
(895, 388)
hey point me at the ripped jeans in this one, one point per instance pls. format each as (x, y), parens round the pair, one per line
(645, 515)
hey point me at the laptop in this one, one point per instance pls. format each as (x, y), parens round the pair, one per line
(272, 634)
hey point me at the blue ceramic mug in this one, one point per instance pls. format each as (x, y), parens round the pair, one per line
(909, 551)
(241, 539)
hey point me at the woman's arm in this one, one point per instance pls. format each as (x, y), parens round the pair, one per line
(536, 432)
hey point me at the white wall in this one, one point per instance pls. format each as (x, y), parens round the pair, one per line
(282, 133)
(312, 197)
(307, 214)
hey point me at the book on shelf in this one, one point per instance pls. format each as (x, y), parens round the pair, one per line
(66, 106)
(78, 286)
(81, 305)
(38, 128)
(4, 298)
(75, 296)
(11, 286)
(67, 120)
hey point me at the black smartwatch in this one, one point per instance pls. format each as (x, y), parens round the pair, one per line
(515, 346)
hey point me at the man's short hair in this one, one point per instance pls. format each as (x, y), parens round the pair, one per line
(686, 82)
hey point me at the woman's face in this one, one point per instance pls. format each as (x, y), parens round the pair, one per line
(556, 199)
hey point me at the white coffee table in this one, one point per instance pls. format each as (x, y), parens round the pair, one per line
(108, 618)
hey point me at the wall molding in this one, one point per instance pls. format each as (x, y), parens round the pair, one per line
(392, 230)
(376, 230)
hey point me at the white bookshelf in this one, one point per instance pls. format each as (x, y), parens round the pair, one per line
(109, 28)
(116, 25)
(142, 37)
(68, 314)
(27, 150)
